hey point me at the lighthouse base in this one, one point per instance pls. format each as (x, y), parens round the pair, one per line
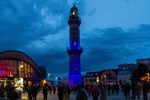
(74, 80)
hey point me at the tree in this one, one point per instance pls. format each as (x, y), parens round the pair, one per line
(140, 71)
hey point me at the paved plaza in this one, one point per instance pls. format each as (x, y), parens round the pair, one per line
(72, 97)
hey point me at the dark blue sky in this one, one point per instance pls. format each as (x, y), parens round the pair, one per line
(112, 32)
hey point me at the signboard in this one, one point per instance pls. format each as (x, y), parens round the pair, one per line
(18, 84)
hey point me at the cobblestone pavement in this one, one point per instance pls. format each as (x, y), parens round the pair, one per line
(72, 97)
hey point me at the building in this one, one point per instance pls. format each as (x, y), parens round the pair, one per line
(91, 78)
(143, 61)
(74, 51)
(109, 76)
(15, 64)
(124, 72)
(42, 70)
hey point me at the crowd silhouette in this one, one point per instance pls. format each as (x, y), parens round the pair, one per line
(101, 91)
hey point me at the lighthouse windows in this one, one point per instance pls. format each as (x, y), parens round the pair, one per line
(74, 43)
(74, 68)
(73, 13)
(74, 26)
(74, 35)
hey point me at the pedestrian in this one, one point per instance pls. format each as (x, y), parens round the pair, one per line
(104, 93)
(109, 89)
(60, 91)
(12, 95)
(34, 92)
(45, 91)
(95, 93)
(133, 90)
(2, 91)
(29, 90)
(117, 88)
(81, 93)
(89, 89)
(145, 90)
(138, 89)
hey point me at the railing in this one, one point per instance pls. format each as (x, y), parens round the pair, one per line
(79, 48)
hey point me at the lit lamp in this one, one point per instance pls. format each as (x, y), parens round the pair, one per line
(148, 76)
(49, 75)
(105, 78)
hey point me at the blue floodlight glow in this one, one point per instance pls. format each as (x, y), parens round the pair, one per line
(74, 77)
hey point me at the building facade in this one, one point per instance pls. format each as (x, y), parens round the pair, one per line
(74, 51)
(124, 72)
(91, 78)
(15, 64)
(109, 76)
(143, 61)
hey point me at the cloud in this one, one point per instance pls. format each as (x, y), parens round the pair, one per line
(22, 21)
(39, 29)
(102, 46)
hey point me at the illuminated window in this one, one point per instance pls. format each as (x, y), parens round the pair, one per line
(74, 43)
(75, 69)
(74, 35)
(73, 13)
(74, 26)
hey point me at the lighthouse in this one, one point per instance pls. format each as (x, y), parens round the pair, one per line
(74, 51)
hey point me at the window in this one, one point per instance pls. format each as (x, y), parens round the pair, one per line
(74, 43)
(74, 26)
(73, 13)
(74, 35)
(74, 68)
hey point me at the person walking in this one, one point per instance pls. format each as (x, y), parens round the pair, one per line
(60, 91)
(138, 90)
(145, 90)
(34, 92)
(81, 94)
(104, 93)
(45, 91)
(2, 91)
(95, 93)
(29, 90)
(12, 94)
(133, 90)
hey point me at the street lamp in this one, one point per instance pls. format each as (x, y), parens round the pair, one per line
(105, 78)
(49, 75)
(148, 76)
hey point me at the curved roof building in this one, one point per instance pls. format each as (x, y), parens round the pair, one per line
(17, 64)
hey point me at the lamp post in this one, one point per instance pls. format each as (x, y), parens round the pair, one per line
(148, 76)
(49, 75)
(105, 78)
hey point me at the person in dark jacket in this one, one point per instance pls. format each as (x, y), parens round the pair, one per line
(29, 90)
(45, 91)
(12, 94)
(34, 92)
(60, 91)
(95, 93)
(145, 90)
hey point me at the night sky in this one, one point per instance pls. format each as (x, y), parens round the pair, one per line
(112, 32)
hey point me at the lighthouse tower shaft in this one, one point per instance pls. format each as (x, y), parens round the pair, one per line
(74, 51)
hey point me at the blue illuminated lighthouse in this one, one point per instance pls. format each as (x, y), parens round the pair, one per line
(74, 51)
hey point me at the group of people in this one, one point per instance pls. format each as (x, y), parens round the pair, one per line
(135, 90)
(100, 92)
(82, 92)
(33, 90)
(8, 92)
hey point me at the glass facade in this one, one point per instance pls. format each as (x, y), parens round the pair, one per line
(16, 68)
